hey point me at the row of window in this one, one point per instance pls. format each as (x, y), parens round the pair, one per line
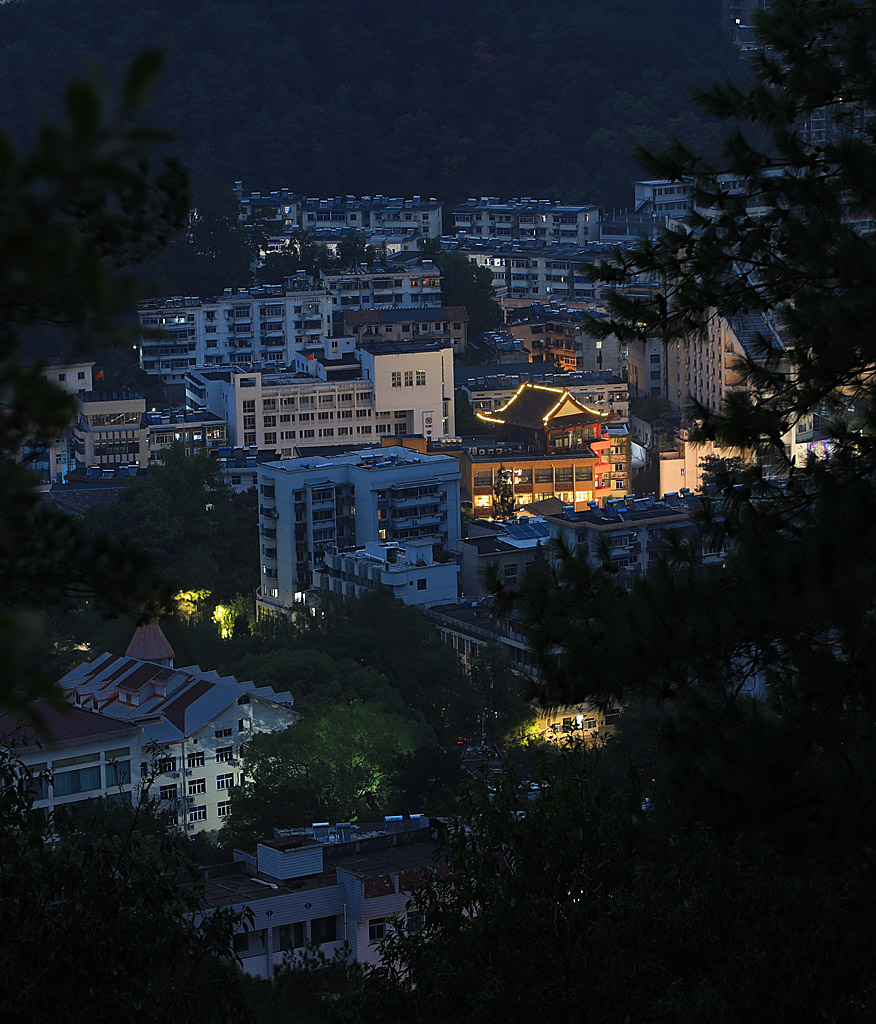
(195, 786)
(409, 376)
(223, 809)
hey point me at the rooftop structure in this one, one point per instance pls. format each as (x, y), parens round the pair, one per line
(327, 884)
(408, 571)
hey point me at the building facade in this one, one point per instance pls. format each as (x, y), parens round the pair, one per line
(74, 756)
(192, 725)
(329, 885)
(407, 571)
(629, 535)
(548, 443)
(534, 220)
(111, 429)
(372, 215)
(445, 323)
(558, 334)
(310, 506)
(383, 389)
(265, 326)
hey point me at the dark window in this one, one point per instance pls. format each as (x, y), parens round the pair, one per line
(324, 929)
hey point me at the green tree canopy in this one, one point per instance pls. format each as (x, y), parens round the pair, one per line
(76, 210)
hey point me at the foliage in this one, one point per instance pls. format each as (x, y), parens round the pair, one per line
(473, 117)
(577, 904)
(338, 765)
(86, 201)
(214, 252)
(467, 424)
(503, 494)
(153, 952)
(464, 283)
(198, 532)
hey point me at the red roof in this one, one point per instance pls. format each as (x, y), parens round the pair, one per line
(44, 723)
(149, 644)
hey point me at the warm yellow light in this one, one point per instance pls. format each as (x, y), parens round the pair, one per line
(187, 601)
(224, 619)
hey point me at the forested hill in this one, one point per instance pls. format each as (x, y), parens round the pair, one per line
(453, 98)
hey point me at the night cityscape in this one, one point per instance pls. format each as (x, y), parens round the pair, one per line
(437, 511)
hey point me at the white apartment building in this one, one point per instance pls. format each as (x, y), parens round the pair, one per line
(407, 571)
(328, 885)
(308, 506)
(535, 220)
(372, 215)
(532, 271)
(384, 389)
(76, 377)
(73, 755)
(192, 724)
(265, 325)
(398, 284)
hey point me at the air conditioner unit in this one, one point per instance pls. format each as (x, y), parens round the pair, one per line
(233, 762)
(188, 771)
(174, 775)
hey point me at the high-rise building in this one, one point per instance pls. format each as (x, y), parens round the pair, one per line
(308, 506)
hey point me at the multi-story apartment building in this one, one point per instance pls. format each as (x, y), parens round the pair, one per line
(111, 429)
(448, 323)
(332, 886)
(195, 429)
(557, 334)
(534, 271)
(506, 549)
(192, 724)
(311, 505)
(662, 197)
(490, 387)
(76, 377)
(383, 389)
(533, 220)
(372, 215)
(408, 571)
(265, 325)
(74, 755)
(402, 282)
(628, 535)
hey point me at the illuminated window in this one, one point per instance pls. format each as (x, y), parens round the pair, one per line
(483, 501)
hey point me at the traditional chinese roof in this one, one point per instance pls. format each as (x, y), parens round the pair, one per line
(540, 407)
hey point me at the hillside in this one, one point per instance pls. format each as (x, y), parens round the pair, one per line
(512, 97)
